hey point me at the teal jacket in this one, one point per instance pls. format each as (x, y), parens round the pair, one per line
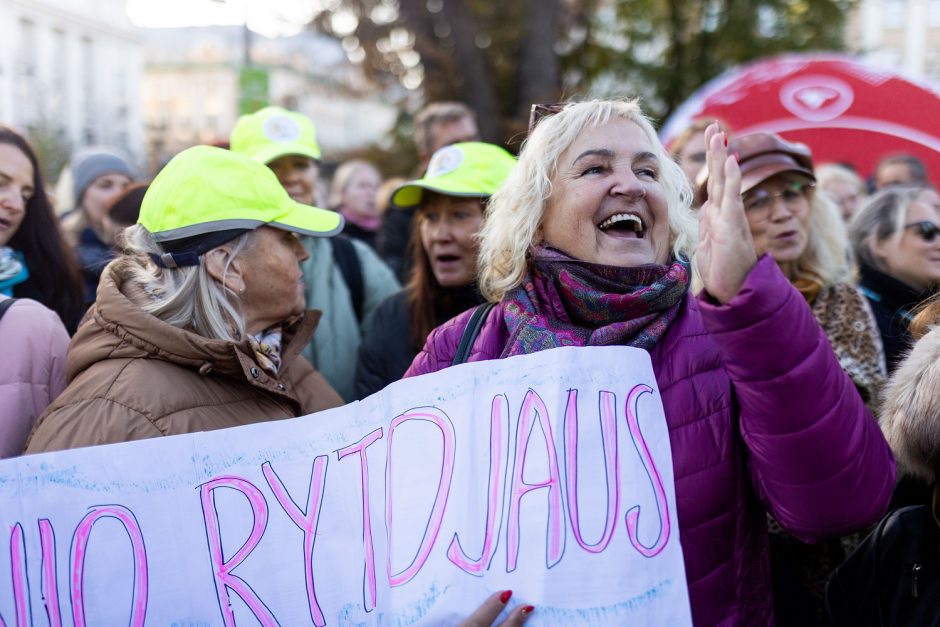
(335, 346)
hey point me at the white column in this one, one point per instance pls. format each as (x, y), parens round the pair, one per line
(915, 47)
(871, 25)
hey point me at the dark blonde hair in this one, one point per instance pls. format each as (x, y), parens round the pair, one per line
(695, 128)
(343, 177)
(436, 113)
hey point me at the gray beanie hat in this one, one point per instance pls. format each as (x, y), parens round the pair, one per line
(92, 163)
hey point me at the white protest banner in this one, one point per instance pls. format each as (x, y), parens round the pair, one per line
(547, 474)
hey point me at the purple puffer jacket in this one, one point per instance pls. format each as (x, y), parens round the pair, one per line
(760, 417)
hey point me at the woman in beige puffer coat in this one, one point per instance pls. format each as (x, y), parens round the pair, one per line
(200, 323)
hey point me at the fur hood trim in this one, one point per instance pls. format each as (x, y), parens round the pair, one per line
(910, 415)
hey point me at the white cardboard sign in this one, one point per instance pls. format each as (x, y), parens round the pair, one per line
(547, 474)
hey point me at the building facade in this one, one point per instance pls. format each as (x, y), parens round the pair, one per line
(898, 34)
(191, 91)
(70, 75)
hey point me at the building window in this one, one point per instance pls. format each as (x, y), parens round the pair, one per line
(87, 81)
(28, 47)
(59, 94)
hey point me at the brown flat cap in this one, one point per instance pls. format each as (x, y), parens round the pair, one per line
(763, 155)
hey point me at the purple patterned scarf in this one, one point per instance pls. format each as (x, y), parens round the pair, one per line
(566, 302)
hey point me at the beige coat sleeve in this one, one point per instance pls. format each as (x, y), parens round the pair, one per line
(311, 389)
(88, 422)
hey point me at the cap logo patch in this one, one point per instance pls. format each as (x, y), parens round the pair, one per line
(280, 128)
(444, 161)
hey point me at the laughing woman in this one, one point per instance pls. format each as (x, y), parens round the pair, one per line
(450, 205)
(590, 242)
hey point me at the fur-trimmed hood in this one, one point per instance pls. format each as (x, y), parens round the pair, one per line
(910, 415)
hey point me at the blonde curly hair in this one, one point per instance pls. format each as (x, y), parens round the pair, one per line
(516, 211)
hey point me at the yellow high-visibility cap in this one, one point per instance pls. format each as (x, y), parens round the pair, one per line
(272, 133)
(470, 169)
(206, 190)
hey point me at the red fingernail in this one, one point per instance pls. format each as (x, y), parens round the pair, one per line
(505, 596)
(726, 141)
(528, 609)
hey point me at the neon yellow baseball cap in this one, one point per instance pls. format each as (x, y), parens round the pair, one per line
(207, 191)
(272, 133)
(472, 169)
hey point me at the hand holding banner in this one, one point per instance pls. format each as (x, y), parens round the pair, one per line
(546, 474)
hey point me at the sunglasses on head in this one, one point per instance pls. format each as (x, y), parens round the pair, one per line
(540, 111)
(926, 230)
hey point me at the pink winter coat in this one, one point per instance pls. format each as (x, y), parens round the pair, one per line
(33, 342)
(761, 417)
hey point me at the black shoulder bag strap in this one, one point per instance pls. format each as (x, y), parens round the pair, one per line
(345, 256)
(6, 305)
(470, 332)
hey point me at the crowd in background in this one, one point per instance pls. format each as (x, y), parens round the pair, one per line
(131, 301)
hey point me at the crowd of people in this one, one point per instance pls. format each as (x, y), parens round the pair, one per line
(779, 299)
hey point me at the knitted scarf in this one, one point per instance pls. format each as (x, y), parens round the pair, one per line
(567, 302)
(367, 223)
(13, 270)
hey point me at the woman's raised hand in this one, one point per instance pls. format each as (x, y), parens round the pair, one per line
(725, 253)
(486, 614)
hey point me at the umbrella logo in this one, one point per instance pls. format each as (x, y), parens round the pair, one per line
(816, 98)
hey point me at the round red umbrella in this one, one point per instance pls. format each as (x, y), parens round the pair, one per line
(844, 110)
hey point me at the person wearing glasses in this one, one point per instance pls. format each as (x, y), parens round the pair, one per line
(804, 233)
(592, 241)
(895, 239)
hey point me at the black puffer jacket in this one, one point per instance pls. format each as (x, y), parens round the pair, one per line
(391, 241)
(893, 578)
(387, 350)
(892, 303)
